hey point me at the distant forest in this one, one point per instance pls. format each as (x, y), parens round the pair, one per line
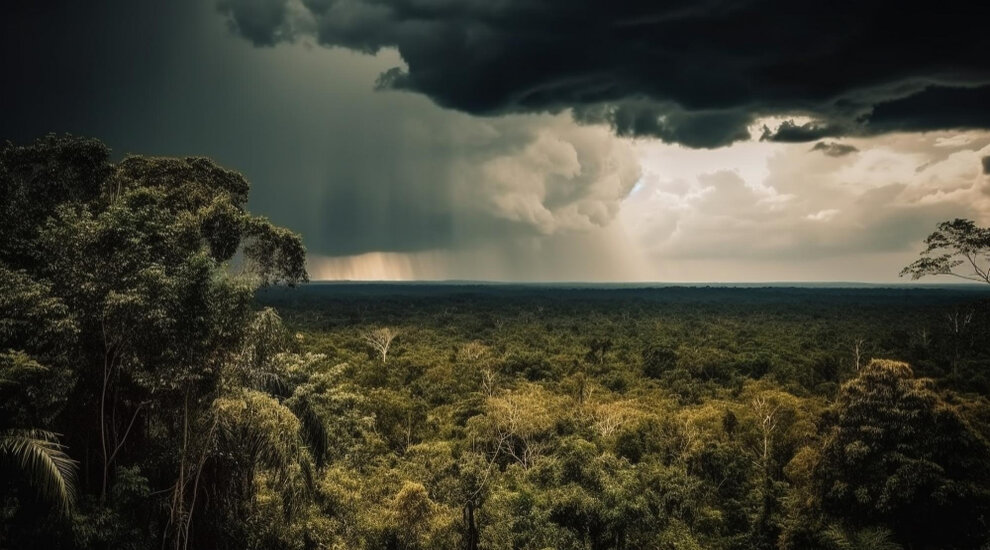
(168, 379)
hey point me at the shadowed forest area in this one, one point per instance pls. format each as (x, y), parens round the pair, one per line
(166, 380)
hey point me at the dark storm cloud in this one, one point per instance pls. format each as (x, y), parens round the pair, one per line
(834, 149)
(935, 108)
(258, 20)
(986, 164)
(668, 122)
(352, 170)
(790, 132)
(692, 72)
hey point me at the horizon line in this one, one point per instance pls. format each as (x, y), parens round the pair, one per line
(779, 283)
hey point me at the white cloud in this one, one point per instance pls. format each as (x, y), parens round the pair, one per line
(565, 177)
(958, 140)
(727, 212)
(823, 215)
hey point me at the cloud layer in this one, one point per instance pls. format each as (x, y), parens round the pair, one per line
(391, 185)
(796, 213)
(691, 72)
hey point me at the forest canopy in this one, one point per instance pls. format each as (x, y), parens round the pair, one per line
(129, 334)
(162, 385)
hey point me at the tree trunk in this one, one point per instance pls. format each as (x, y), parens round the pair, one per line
(471, 538)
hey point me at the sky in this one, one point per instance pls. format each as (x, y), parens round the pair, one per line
(541, 140)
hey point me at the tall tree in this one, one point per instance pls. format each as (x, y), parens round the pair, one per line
(897, 455)
(155, 262)
(958, 248)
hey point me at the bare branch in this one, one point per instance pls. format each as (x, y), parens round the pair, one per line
(380, 340)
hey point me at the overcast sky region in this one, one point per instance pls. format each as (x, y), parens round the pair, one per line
(524, 140)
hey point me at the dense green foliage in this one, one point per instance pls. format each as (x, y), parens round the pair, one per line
(130, 346)
(151, 396)
(555, 417)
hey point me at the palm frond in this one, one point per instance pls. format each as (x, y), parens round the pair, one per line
(869, 538)
(43, 461)
(15, 364)
(877, 538)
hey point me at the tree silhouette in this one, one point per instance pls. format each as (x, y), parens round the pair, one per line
(958, 248)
